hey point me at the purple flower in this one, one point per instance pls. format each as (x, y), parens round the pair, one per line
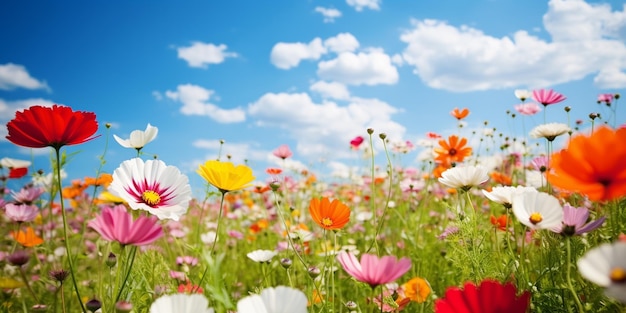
(540, 163)
(574, 220)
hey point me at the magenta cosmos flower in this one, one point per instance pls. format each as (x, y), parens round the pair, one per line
(547, 96)
(490, 297)
(372, 270)
(529, 108)
(116, 224)
(283, 152)
(152, 186)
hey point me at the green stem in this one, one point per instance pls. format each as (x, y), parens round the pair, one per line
(27, 282)
(568, 272)
(66, 230)
(217, 231)
(133, 252)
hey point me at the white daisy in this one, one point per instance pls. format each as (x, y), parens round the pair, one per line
(152, 186)
(138, 138)
(181, 303)
(537, 210)
(504, 194)
(464, 177)
(523, 94)
(274, 300)
(549, 131)
(261, 256)
(605, 265)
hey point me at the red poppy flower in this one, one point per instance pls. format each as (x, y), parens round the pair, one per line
(490, 297)
(56, 126)
(18, 172)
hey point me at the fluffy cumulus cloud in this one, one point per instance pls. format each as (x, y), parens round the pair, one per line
(585, 40)
(359, 5)
(14, 76)
(331, 90)
(324, 129)
(364, 68)
(329, 14)
(195, 101)
(287, 55)
(238, 152)
(201, 54)
(343, 42)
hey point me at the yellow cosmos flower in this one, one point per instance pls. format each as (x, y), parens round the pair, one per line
(225, 176)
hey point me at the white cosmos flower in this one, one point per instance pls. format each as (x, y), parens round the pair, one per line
(152, 186)
(537, 210)
(181, 303)
(138, 138)
(261, 256)
(14, 163)
(274, 300)
(549, 131)
(464, 177)
(523, 94)
(605, 265)
(504, 194)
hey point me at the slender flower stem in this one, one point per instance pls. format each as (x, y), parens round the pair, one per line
(217, 232)
(568, 272)
(66, 230)
(133, 252)
(27, 282)
(382, 218)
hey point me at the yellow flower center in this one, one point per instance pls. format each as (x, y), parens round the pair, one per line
(535, 218)
(618, 275)
(327, 222)
(150, 197)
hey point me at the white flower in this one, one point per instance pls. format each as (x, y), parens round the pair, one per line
(464, 177)
(605, 265)
(152, 186)
(537, 210)
(549, 131)
(181, 303)
(261, 256)
(138, 138)
(523, 94)
(274, 300)
(14, 163)
(504, 194)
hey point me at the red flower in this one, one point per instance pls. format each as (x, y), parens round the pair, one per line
(18, 172)
(356, 142)
(39, 127)
(490, 297)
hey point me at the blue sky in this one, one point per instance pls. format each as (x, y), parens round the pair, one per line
(310, 74)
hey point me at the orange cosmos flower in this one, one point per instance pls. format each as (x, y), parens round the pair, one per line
(416, 289)
(592, 165)
(501, 178)
(27, 238)
(75, 190)
(103, 180)
(460, 114)
(452, 150)
(500, 222)
(329, 215)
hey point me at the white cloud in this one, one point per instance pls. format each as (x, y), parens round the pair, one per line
(465, 59)
(201, 54)
(359, 5)
(157, 95)
(16, 76)
(329, 14)
(239, 152)
(195, 100)
(324, 129)
(343, 42)
(287, 55)
(331, 90)
(364, 68)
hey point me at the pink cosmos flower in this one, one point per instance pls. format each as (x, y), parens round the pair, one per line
(547, 97)
(283, 152)
(372, 270)
(356, 142)
(27, 195)
(529, 108)
(21, 213)
(116, 224)
(606, 98)
(575, 221)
